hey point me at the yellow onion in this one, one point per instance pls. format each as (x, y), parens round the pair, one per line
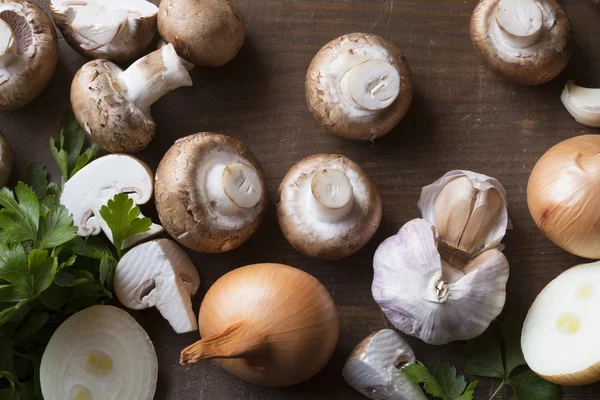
(269, 324)
(563, 195)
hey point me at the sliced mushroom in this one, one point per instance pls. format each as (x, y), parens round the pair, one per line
(210, 192)
(5, 160)
(115, 30)
(359, 86)
(97, 183)
(28, 53)
(582, 103)
(328, 207)
(113, 105)
(527, 42)
(159, 274)
(208, 33)
(374, 368)
(188, 65)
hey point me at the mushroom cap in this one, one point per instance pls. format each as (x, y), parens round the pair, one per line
(327, 240)
(532, 65)
(108, 117)
(124, 47)
(322, 86)
(185, 209)
(37, 54)
(5, 160)
(212, 38)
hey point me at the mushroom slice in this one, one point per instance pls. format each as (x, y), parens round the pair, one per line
(28, 53)
(5, 160)
(359, 86)
(210, 192)
(328, 207)
(424, 296)
(159, 274)
(115, 30)
(374, 368)
(527, 42)
(114, 105)
(97, 183)
(582, 103)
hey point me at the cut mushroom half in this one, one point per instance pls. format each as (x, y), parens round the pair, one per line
(375, 368)
(527, 42)
(28, 53)
(328, 207)
(97, 183)
(359, 86)
(210, 192)
(582, 103)
(115, 30)
(159, 274)
(113, 106)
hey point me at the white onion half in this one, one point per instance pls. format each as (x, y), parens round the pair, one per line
(99, 353)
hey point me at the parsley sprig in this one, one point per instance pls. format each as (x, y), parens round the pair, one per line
(444, 383)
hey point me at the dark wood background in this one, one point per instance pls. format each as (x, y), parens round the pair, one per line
(462, 117)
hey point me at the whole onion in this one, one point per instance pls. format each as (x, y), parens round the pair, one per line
(269, 324)
(563, 195)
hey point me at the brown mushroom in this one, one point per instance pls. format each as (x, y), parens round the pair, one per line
(359, 86)
(113, 106)
(207, 33)
(5, 160)
(28, 52)
(526, 42)
(114, 30)
(210, 192)
(328, 207)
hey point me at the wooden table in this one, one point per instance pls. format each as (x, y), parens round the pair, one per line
(462, 117)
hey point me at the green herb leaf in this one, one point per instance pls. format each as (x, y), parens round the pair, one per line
(13, 262)
(122, 217)
(37, 177)
(72, 137)
(56, 229)
(55, 297)
(62, 159)
(19, 221)
(84, 159)
(469, 392)
(511, 332)
(444, 383)
(529, 386)
(31, 326)
(55, 190)
(42, 270)
(93, 247)
(484, 358)
(108, 265)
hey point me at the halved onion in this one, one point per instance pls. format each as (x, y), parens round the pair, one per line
(99, 353)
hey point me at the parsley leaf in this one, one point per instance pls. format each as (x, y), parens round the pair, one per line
(122, 217)
(529, 385)
(37, 177)
(443, 383)
(56, 228)
(19, 221)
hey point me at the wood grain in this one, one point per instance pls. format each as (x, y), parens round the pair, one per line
(462, 117)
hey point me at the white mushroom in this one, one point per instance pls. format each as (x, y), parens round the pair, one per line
(97, 183)
(582, 103)
(115, 30)
(159, 274)
(374, 368)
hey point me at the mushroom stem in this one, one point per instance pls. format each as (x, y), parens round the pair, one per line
(520, 22)
(371, 85)
(232, 187)
(331, 194)
(153, 76)
(8, 47)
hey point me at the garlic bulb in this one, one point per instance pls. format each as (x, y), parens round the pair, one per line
(424, 296)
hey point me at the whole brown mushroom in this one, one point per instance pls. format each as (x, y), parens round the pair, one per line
(328, 207)
(113, 106)
(28, 52)
(207, 33)
(526, 42)
(359, 86)
(210, 192)
(5, 161)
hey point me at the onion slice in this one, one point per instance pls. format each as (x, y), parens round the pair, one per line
(99, 353)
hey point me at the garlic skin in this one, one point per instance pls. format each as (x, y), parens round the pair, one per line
(582, 103)
(425, 297)
(468, 210)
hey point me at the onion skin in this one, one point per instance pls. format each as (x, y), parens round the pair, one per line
(269, 324)
(563, 195)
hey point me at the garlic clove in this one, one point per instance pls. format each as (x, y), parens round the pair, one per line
(374, 368)
(421, 299)
(582, 103)
(468, 209)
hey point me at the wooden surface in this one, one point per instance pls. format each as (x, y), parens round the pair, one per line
(462, 117)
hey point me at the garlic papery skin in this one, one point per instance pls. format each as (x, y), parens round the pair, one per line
(582, 103)
(560, 334)
(469, 211)
(421, 297)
